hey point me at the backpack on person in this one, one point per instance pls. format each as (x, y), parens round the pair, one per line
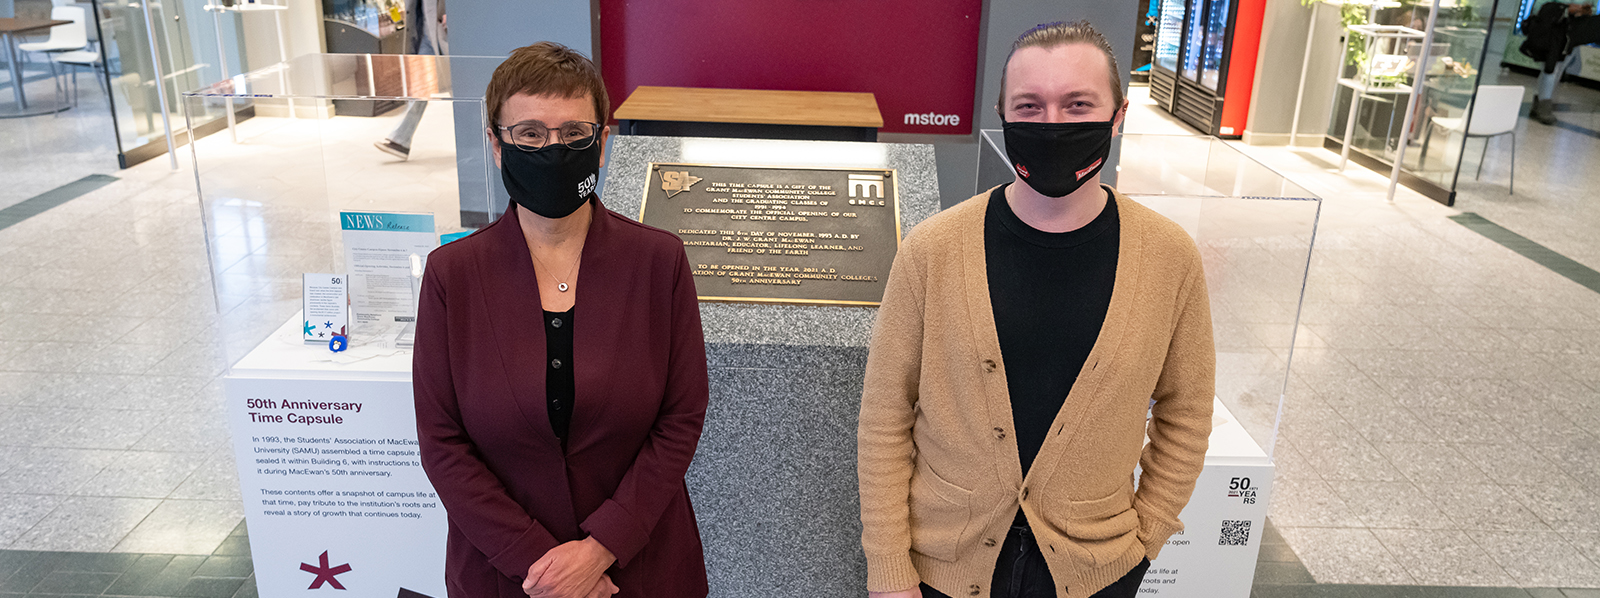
(1546, 34)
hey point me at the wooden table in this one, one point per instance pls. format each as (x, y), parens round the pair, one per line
(9, 28)
(750, 113)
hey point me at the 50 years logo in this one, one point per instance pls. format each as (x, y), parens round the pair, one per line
(1240, 488)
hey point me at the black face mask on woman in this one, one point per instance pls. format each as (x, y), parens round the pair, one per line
(1056, 159)
(553, 181)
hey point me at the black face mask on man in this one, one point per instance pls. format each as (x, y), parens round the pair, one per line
(552, 181)
(1056, 159)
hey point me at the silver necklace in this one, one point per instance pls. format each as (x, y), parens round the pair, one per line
(560, 285)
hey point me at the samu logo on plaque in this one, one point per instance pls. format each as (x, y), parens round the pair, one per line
(823, 236)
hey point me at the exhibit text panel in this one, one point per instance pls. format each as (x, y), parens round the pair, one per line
(333, 487)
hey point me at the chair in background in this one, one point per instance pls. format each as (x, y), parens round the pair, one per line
(89, 57)
(1494, 114)
(63, 38)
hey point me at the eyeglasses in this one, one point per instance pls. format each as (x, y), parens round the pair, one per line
(534, 135)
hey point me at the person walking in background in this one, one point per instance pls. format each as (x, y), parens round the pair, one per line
(425, 19)
(1023, 338)
(1551, 41)
(559, 444)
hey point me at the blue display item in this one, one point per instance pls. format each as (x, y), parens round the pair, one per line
(338, 343)
(386, 221)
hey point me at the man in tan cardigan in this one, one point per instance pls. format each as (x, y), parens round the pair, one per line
(1024, 337)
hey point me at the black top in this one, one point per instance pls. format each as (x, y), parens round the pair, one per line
(1050, 292)
(559, 388)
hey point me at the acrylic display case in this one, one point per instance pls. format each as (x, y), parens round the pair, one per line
(272, 199)
(325, 440)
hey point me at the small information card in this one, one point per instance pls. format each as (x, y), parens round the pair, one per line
(326, 298)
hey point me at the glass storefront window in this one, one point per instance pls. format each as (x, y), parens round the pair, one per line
(192, 45)
(1381, 74)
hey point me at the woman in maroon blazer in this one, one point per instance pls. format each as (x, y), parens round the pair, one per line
(558, 441)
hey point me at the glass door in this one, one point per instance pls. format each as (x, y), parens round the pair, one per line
(1215, 48)
(1169, 34)
(188, 51)
(1193, 37)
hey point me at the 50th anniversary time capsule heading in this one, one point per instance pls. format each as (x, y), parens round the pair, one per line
(295, 411)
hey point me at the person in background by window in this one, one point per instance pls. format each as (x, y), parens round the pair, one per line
(1551, 41)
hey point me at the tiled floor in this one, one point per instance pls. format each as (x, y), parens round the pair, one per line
(38, 156)
(225, 571)
(1554, 200)
(111, 434)
(1280, 573)
(1440, 428)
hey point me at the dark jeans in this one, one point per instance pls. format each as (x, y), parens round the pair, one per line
(1021, 572)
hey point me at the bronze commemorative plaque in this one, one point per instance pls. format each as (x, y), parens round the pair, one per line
(823, 236)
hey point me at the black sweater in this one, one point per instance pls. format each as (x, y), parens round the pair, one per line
(1050, 292)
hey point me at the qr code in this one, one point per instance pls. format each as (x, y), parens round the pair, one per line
(1234, 533)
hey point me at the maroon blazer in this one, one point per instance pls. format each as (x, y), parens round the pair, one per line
(512, 493)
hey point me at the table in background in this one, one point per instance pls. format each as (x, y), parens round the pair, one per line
(750, 113)
(9, 28)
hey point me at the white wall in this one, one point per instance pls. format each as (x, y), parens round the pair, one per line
(1285, 30)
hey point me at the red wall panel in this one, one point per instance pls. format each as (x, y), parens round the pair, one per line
(916, 56)
(1242, 66)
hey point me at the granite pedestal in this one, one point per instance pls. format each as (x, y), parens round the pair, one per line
(774, 480)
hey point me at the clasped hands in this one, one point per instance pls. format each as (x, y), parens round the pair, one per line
(572, 570)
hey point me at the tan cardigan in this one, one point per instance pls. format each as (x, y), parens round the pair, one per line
(939, 472)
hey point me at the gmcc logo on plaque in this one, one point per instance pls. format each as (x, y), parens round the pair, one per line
(866, 185)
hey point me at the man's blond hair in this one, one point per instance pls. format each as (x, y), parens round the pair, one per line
(1061, 33)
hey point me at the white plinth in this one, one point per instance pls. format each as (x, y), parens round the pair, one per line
(1232, 492)
(396, 541)
(320, 479)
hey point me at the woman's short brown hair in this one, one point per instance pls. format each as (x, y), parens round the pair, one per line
(547, 68)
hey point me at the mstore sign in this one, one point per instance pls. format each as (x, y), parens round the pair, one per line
(918, 58)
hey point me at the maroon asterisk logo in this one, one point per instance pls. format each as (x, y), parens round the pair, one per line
(325, 573)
